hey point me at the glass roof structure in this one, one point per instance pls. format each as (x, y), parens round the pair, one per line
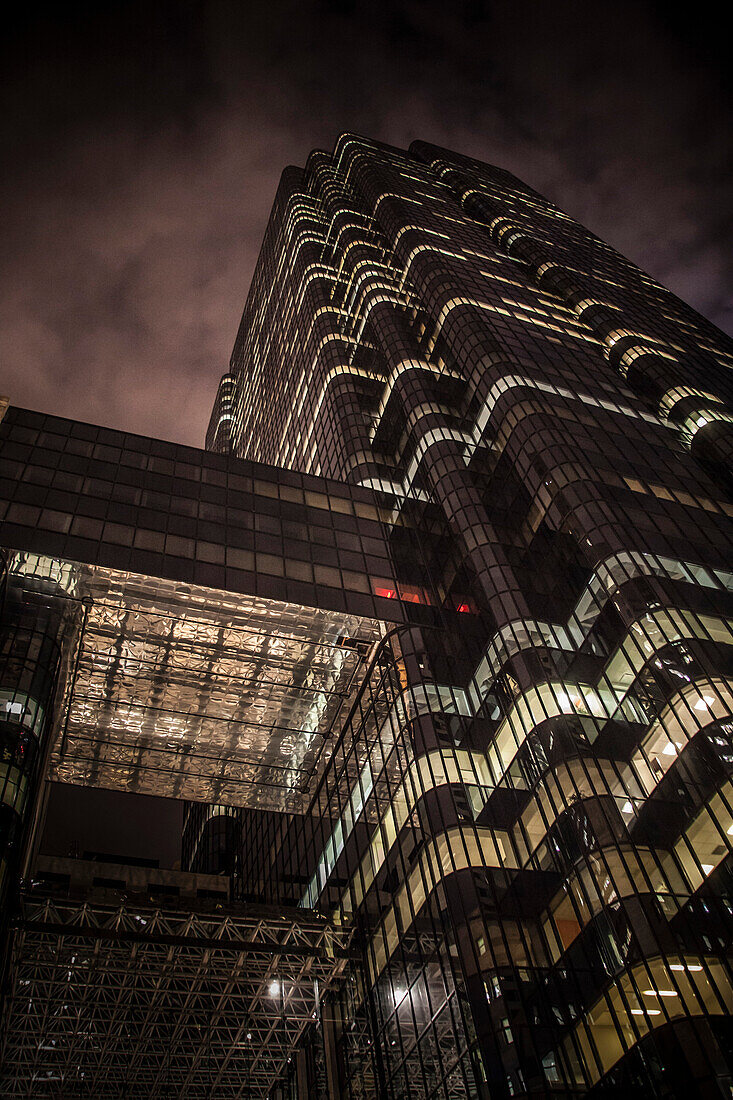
(192, 693)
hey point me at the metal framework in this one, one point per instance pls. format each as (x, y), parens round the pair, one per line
(142, 1003)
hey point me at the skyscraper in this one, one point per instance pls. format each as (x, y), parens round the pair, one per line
(528, 813)
(435, 639)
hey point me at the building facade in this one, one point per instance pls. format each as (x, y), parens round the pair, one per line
(164, 630)
(527, 815)
(435, 639)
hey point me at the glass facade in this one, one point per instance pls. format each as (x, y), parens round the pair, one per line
(437, 636)
(33, 630)
(527, 821)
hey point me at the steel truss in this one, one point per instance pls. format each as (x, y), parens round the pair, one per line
(141, 1003)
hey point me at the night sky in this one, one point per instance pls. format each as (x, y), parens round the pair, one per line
(143, 145)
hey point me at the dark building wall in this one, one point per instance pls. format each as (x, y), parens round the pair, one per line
(84, 493)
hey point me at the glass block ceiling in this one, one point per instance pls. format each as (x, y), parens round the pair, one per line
(195, 693)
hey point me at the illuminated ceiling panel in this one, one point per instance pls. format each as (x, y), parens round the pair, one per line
(194, 693)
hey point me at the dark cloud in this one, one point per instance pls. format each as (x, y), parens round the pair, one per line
(144, 145)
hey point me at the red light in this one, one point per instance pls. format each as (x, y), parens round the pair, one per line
(463, 607)
(388, 593)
